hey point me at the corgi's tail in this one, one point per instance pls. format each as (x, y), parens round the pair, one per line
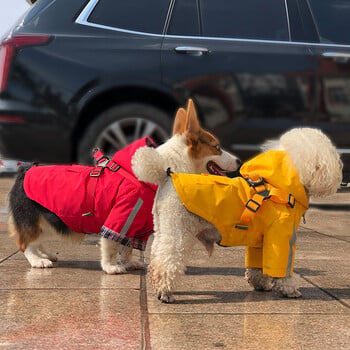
(147, 165)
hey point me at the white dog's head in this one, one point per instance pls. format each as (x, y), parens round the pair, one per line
(314, 157)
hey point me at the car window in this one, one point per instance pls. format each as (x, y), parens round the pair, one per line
(137, 15)
(248, 19)
(333, 20)
(184, 18)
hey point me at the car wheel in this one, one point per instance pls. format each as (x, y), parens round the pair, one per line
(120, 125)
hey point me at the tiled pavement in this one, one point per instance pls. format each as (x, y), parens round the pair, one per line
(76, 306)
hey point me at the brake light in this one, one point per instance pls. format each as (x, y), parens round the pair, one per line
(11, 119)
(8, 48)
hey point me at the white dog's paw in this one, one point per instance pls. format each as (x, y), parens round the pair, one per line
(166, 297)
(114, 269)
(41, 263)
(134, 265)
(258, 280)
(286, 287)
(287, 293)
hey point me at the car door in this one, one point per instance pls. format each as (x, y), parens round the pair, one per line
(332, 56)
(236, 59)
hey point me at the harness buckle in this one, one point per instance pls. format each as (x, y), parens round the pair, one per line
(96, 172)
(256, 183)
(241, 227)
(291, 200)
(265, 193)
(254, 206)
(114, 166)
(102, 162)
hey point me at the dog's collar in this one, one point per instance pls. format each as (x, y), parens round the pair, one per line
(169, 172)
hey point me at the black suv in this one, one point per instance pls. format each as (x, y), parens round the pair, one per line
(84, 73)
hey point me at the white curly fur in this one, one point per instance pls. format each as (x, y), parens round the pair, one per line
(315, 158)
(319, 168)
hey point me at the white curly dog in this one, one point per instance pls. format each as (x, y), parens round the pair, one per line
(314, 157)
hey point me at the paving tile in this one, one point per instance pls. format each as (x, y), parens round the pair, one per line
(64, 250)
(70, 319)
(218, 286)
(246, 331)
(16, 274)
(205, 295)
(332, 223)
(7, 245)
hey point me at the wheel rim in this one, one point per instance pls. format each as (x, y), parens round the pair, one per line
(122, 132)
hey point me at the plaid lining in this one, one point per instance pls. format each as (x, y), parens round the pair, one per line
(122, 239)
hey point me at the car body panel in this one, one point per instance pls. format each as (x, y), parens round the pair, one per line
(246, 90)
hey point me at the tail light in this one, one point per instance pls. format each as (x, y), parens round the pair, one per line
(8, 48)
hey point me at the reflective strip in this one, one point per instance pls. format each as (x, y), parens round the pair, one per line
(291, 252)
(131, 217)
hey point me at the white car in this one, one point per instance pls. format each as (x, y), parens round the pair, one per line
(9, 166)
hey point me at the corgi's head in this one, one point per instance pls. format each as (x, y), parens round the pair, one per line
(203, 148)
(191, 149)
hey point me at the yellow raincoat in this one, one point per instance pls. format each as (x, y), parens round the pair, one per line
(263, 217)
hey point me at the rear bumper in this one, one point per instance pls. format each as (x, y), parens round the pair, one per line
(32, 134)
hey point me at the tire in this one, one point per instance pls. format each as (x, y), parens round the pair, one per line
(120, 125)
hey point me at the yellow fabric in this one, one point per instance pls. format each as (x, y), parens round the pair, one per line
(270, 235)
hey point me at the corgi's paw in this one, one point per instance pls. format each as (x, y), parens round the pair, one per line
(41, 263)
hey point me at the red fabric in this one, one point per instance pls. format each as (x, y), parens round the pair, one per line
(62, 190)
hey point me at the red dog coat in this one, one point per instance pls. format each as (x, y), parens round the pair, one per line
(114, 205)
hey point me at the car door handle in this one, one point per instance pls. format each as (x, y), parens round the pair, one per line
(192, 50)
(340, 57)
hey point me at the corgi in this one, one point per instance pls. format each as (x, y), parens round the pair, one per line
(191, 150)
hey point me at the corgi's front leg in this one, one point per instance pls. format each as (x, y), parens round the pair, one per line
(109, 252)
(168, 256)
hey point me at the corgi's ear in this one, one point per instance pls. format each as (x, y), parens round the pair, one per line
(192, 127)
(179, 122)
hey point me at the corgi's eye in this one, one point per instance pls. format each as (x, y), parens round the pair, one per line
(218, 148)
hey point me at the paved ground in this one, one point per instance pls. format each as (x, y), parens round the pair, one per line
(76, 306)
